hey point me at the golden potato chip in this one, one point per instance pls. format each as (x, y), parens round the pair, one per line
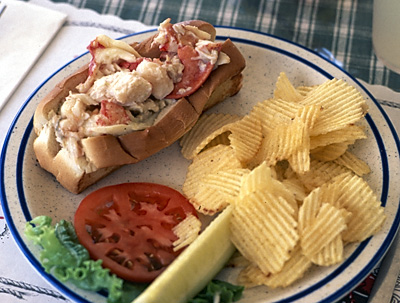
(209, 201)
(237, 260)
(205, 130)
(260, 156)
(331, 254)
(284, 141)
(330, 152)
(328, 224)
(227, 182)
(293, 270)
(285, 90)
(251, 276)
(326, 193)
(320, 172)
(300, 159)
(346, 214)
(246, 136)
(309, 209)
(220, 139)
(211, 160)
(262, 178)
(357, 197)
(295, 186)
(342, 105)
(274, 112)
(264, 230)
(186, 231)
(353, 163)
(356, 201)
(309, 114)
(279, 189)
(305, 90)
(350, 133)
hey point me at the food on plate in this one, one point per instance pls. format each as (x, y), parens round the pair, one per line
(298, 196)
(131, 101)
(274, 195)
(198, 264)
(223, 158)
(64, 254)
(137, 229)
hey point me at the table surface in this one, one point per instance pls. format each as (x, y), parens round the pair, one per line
(341, 29)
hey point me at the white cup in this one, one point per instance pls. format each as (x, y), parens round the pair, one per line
(386, 32)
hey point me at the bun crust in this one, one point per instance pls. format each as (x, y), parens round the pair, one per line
(107, 152)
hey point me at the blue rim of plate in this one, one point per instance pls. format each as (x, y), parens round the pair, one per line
(334, 296)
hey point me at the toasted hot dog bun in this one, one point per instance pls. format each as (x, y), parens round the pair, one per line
(106, 153)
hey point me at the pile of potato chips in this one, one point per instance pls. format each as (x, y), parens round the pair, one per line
(297, 191)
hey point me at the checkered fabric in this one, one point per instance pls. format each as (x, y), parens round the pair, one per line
(339, 29)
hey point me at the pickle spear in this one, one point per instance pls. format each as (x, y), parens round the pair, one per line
(195, 266)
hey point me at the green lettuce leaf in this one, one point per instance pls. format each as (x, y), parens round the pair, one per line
(68, 260)
(54, 254)
(224, 291)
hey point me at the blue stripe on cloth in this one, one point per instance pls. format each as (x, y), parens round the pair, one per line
(344, 27)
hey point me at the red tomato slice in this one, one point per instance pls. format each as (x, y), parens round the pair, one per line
(129, 226)
(194, 73)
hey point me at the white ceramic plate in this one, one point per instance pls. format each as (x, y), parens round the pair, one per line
(28, 191)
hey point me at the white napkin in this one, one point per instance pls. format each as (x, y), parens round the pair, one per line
(390, 101)
(25, 32)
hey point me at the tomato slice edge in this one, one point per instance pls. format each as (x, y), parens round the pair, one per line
(97, 205)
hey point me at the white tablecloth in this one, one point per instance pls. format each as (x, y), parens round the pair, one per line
(19, 282)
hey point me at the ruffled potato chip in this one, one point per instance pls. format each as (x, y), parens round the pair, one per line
(246, 136)
(350, 133)
(264, 230)
(320, 232)
(295, 189)
(330, 152)
(285, 90)
(353, 163)
(186, 231)
(207, 128)
(274, 112)
(342, 105)
(212, 160)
